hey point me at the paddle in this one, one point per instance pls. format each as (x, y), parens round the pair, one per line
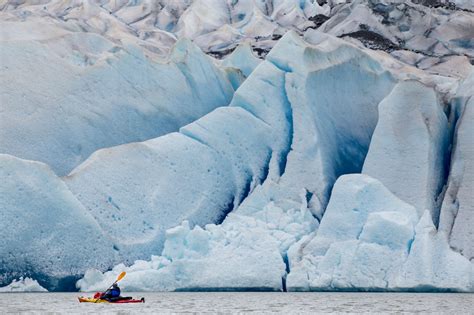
(120, 277)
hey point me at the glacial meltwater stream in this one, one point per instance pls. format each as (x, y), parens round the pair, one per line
(236, 302)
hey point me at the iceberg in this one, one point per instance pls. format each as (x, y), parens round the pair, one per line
(23, 285)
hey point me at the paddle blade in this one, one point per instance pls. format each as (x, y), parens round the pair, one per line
(121, 275)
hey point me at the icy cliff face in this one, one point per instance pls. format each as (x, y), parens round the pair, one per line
(374, 236)
(232, 173)
(50, 112)
(47, 232)
(458, 205)
(410, 161)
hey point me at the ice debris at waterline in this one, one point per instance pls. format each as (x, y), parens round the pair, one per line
(223, 171)
(367, 240)
(23, 285)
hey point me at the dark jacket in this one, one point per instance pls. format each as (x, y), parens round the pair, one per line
(112, 293)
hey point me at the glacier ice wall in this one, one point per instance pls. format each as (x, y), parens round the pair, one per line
(321, 133)
(48, 234)
(137, 191)
(245, 187)
(410, 160)
(59, 107)
(458, 205)
(368, 238)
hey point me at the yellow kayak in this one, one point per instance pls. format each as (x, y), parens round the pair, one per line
(83, 299)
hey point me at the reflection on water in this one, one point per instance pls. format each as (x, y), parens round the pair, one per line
(259, 302)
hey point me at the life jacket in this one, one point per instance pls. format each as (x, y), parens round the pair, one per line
(115, 292)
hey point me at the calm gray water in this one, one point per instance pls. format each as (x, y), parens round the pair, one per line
(235, 302)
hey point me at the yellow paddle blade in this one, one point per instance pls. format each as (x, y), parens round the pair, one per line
(121, 275)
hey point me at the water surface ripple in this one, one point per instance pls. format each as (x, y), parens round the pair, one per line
(248, 302)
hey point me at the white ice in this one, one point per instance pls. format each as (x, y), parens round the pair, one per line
(23, 285)
(457, 212)
(302, 166)
(369, 239)
(67, 96)
(408, 149)
(47, 231)
(232, 196)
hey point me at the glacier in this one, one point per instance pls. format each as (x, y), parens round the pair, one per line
(138, 100)
(371, 240)
(243, 145)
(48, 232)
(458, 203)
(289, 117)
(410, 161)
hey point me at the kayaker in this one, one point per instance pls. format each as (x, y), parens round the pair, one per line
(112, 294)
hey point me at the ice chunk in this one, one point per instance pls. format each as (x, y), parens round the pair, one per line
(369, 239)
(433, 264)
(364, 236)
(356, 202)
(242, 253)
(408, 149)
(23, 285)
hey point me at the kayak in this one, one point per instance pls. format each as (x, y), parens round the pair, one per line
(83, 299)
